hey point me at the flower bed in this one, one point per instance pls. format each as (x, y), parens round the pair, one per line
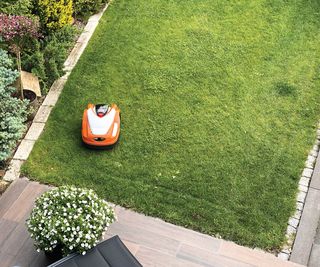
(26, 33)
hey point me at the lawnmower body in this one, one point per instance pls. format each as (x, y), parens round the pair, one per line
(101, 125)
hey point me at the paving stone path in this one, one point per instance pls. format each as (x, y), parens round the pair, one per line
(314, 260)
(153, 241)
(306, 248)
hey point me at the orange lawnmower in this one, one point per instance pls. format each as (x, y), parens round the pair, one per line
(101, 125)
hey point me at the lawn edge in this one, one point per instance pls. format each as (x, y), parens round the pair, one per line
(308, 198)
(294, 235)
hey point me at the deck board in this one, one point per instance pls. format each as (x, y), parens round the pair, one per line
(11, 194)
(153, 241)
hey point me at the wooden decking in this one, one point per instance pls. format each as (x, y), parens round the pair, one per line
(153, 241)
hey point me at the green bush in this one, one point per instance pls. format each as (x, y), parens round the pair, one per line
(13, 111)
(33, 61)
(54, 55)
(16, 7)
(54, 14)
(46, 58)
(84, 8)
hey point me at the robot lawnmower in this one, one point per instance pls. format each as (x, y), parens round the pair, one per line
(101, 125)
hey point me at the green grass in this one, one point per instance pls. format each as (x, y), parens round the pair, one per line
(219, 104)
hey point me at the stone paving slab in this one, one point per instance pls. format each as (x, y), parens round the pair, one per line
(85, 37)
(54, 92)
(13, 171)
(51, 98)
(307, 172)
(307, 228)
(314, 260)
(24, 149)
(74, 56)
(315, 182)
(42, 114)
(35, 131)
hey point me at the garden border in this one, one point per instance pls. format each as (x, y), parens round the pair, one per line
(306, 216)
(38, 124)
(304, 248)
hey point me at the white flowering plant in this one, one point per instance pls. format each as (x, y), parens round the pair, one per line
(69, 218)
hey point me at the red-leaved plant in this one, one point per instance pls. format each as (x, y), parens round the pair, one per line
(18, 31)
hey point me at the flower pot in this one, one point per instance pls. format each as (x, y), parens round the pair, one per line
(54, 255)
(68, 205)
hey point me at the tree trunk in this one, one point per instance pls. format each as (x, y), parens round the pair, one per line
(19, 69)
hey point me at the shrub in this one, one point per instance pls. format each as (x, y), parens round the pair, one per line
(83, 8)
(16, 7)
(54, 14)
(18, 30)
(66, 35)
(47, 57)
(69, 218)
(33, 61)
(13, 111)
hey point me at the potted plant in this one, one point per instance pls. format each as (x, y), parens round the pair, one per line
(19, 32)
(69, 219)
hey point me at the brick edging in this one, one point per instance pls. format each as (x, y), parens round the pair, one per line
(25, 147)
(304, 208)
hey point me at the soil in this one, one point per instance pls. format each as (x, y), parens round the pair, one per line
(3, 186)
(31, 96)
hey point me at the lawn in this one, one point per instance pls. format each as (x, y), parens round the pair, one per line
(219, 102)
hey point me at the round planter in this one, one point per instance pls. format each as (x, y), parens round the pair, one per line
(54, 255)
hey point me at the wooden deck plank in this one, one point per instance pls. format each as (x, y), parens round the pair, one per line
(254, 257)
(206, 258)
(149, 239)
(15, 240)
(6, 259)
(22, 206)
(11, 194)
(163, 228)
(150, 257)
(6, 228)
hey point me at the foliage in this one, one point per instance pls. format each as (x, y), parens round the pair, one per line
(18, 31)
(69, 217)
(13, 111)
(33, 61)
(56, 51)
(84, 8)
(54, 55)
(16, 7)
(54, 14)
(66, 35)
(47, 57)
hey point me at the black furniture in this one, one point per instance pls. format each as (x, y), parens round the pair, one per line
(109, 253)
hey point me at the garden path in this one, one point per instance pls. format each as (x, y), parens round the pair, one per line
(153, 241)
